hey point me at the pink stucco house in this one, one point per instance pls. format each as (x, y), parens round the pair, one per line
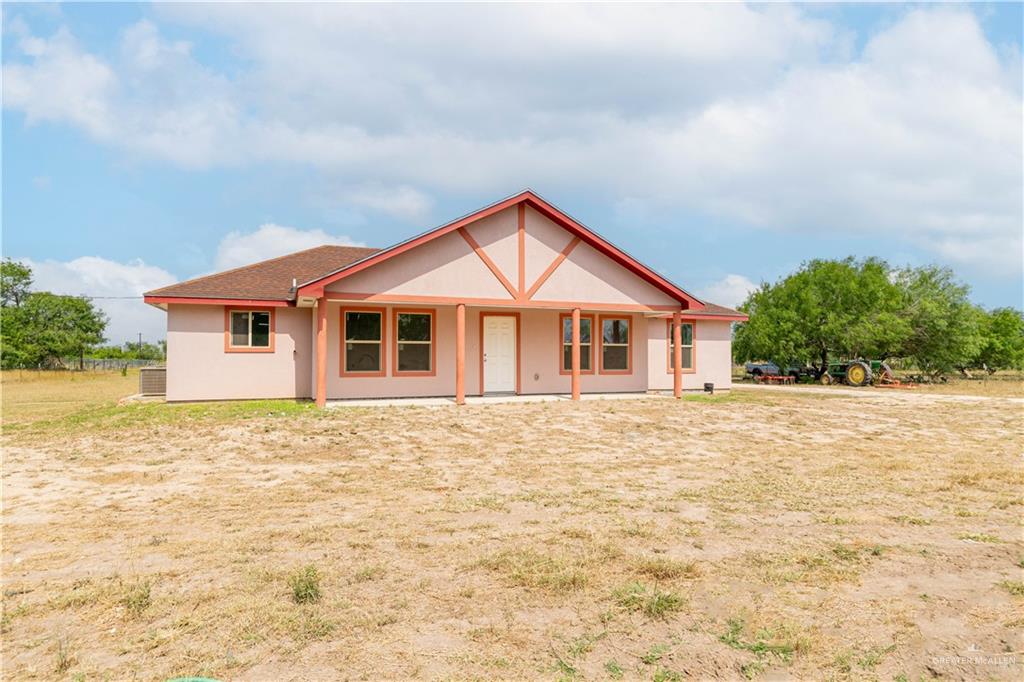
(517, 297)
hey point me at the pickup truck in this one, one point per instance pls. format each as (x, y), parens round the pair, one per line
(757, 369)
(760, 368)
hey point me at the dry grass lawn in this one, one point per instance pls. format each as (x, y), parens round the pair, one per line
(758, 534)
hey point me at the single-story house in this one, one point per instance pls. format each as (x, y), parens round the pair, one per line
(517, 297)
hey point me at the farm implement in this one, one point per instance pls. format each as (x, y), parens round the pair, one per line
(860, 373)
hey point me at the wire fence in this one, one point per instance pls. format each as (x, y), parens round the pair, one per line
(105, 364)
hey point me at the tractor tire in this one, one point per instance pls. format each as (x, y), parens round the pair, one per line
(888, 376)
(825, 379)
(858, 374)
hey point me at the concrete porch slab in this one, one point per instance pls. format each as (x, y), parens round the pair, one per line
(487, 400)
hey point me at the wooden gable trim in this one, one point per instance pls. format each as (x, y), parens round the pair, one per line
(491, 265)
(315, 288)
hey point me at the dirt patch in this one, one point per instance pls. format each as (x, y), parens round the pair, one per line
(756, 535)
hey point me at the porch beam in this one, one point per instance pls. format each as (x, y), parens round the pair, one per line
(576, 353)
(460, 354)
(677, 354)
(321, 351)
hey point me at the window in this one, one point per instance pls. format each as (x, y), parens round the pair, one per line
(414, 342)
(687, 345)
(248, 330)
(615, 345)
(586, 343)
(363, 346)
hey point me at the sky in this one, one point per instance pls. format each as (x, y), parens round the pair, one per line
(721, 144)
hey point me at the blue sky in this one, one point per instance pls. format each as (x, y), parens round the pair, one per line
(721, 144)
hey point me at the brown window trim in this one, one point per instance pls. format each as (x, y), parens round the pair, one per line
(395, 372)
(228, 309)
(692, 347)
(629, 344)
(383, 341)
(592, 344)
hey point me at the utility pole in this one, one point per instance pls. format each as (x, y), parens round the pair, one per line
(140, 343)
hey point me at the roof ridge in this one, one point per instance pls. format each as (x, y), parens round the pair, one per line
(258, 264)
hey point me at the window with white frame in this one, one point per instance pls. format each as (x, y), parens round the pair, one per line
(686, 330)
(414, 341)
(364, 341)
(250, 329)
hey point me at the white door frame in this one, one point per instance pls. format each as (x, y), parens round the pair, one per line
(517, 347)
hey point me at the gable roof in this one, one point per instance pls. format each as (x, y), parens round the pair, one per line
(314, 287)
(269, 280)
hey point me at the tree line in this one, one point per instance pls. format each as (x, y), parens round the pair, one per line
(39, 329)
(848, 309)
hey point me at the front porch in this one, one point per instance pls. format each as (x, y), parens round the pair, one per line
(442, 352)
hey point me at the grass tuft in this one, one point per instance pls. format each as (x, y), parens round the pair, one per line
(528, 568)
(136, 596)
(652, 602)
(368, 573)
(1014, 587)
(305, 584)
(764, 642)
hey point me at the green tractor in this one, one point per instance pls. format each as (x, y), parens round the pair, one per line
(858, 373)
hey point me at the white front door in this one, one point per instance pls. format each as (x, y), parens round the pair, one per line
(499, 354)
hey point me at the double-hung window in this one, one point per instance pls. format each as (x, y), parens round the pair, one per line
(414, 342)
(363, 348)
(615, 344)
(586, 343)
(687, 345)
(250, 330)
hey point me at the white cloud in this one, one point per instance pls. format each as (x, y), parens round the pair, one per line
(401, 202)
(61, 83)
(269, 241)
(761, 114)
(730, 291)
(99, 277)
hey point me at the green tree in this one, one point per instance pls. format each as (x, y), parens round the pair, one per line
(15, 282)
(1002, 341)
(825, 309)
(945, 328)
(46, 328)
(131, 351)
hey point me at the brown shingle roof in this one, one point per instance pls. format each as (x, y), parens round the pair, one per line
(714, 310)
(269, 280)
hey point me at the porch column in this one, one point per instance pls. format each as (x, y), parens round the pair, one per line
(677, 354)
(576, 353)
(460, 354)
(321, 351)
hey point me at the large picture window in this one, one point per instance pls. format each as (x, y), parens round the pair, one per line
(363, 345)
(615, 345)
(249, 330)
(414, 342)
(687, 346)
(586, 343)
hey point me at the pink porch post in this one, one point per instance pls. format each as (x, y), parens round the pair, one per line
(460, 354)
(576, 353)
(321, 351)
(677, 354)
